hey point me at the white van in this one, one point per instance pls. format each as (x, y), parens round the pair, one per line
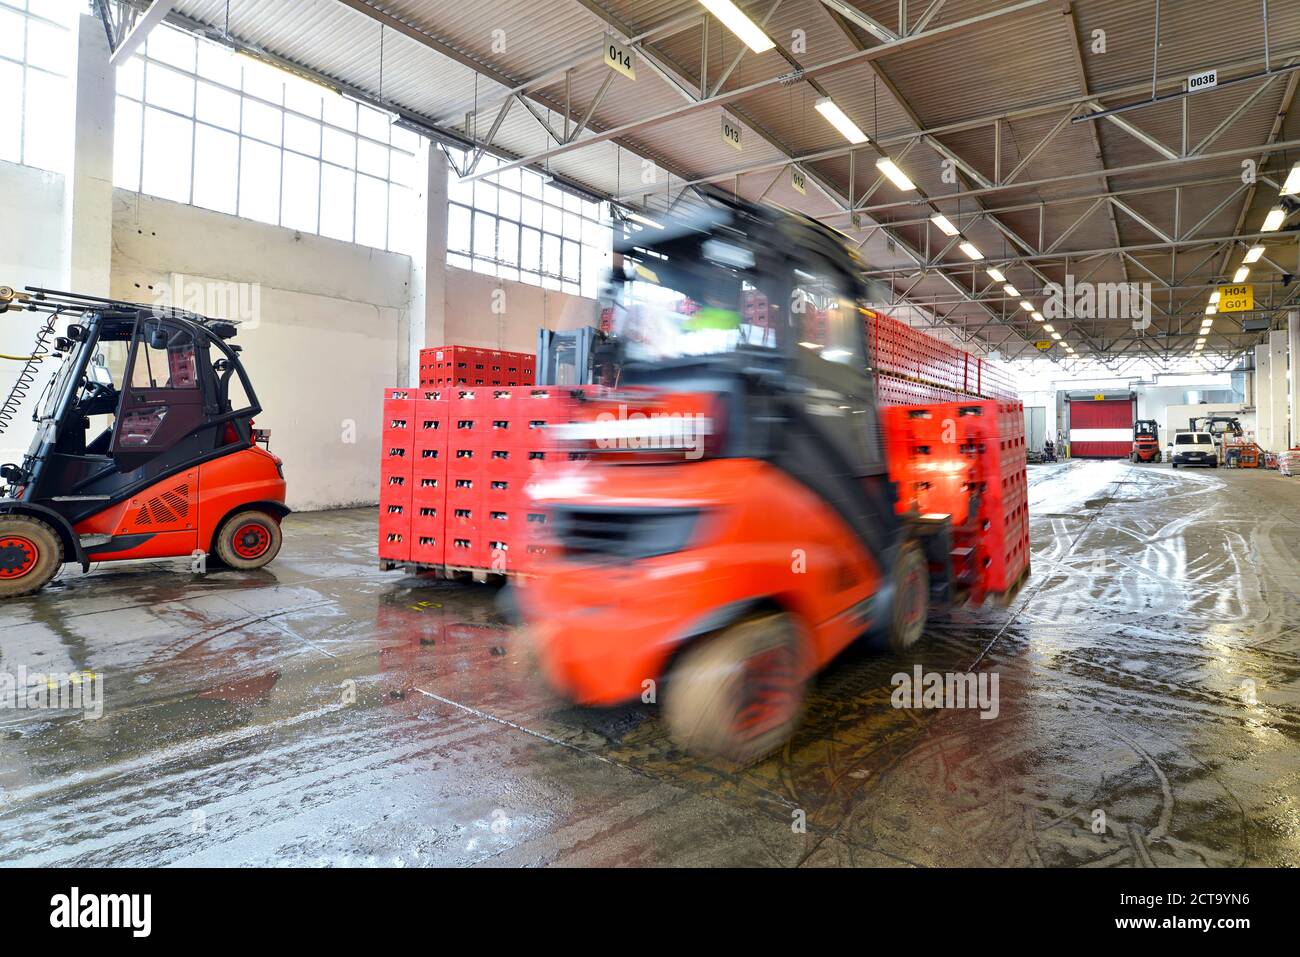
(1195, 448)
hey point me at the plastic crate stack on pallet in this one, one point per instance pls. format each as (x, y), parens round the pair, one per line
(412, 476)
(455, 463)
(448, 367)
(916, 369)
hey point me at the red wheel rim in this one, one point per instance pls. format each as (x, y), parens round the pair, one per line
(18, 556)
(768, 693)
(251, 540)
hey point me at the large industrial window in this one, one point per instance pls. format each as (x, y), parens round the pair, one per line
(36, 54)
(516, 225)
(199, 124)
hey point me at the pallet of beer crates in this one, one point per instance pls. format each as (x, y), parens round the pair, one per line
(446, 367)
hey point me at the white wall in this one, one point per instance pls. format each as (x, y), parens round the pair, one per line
(31, 253)
(324, 346)
(471, 319)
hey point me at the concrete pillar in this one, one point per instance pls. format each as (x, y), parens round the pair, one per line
(429, 265)
(1263, 408)
(1277, 391)
(88, 187)
(1293, 335)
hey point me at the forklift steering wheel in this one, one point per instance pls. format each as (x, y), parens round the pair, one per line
(99, 390)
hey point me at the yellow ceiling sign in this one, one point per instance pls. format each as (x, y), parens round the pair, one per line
(1236, 298)
(1043, 344)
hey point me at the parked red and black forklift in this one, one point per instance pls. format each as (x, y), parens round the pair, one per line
(742, 508)
(176, 471)
(1146, 441)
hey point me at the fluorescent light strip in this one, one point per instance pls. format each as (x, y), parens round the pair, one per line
(948, 229)
(1292, 184)
(971, 250)
(1011, 291)
(1241, 274)
(1253, 254)
(993, 273)
(838, 119)
(750, 33)
(897, 177)
(1274, 220)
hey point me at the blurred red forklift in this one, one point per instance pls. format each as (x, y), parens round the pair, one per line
(177, 470)
(1146, 441)
(741, 509)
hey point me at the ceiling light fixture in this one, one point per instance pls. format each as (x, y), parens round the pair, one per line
(1253, 254)
(750, 33)
(895, 175)
(1274, 220)
(971, 250)
(948, 229)
(840, 120)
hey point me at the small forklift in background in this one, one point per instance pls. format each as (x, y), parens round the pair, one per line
(177, 469)
(1146, 441)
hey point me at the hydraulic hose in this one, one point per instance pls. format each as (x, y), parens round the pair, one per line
(27, 375)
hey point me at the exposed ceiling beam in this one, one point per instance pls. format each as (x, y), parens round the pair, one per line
(155, 15)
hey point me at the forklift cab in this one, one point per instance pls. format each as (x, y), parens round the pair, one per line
(182, 395)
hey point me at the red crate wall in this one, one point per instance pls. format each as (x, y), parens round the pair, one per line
(429, 491)
(396, 471)
(990, 445)
(903, 353)
(448, 367)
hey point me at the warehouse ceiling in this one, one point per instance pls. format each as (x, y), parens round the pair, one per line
(1001, 112)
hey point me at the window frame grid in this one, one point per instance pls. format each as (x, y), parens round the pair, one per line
(142, 101)
(27, 17)
(471, 257)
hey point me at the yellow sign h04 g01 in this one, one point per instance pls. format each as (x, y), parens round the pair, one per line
(1236, 298)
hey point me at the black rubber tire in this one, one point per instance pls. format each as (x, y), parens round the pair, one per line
(910, 608)
(1158, 458)
(1173, 464)
(710, 707)
(49, 548)
(226, 545)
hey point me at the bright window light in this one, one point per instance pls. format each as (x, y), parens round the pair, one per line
(897, 176)
(1274, 220)
(838, 119)
(1254, 252)
(948, 229)
(1241, 274)
(750, 33)
(971, 250)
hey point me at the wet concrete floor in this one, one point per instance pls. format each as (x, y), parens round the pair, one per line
(323, 712)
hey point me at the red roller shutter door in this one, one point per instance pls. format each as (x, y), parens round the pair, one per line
(1101, 429)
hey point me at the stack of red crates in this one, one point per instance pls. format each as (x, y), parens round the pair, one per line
(454, 466)
(449, 367)
(412, 476)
